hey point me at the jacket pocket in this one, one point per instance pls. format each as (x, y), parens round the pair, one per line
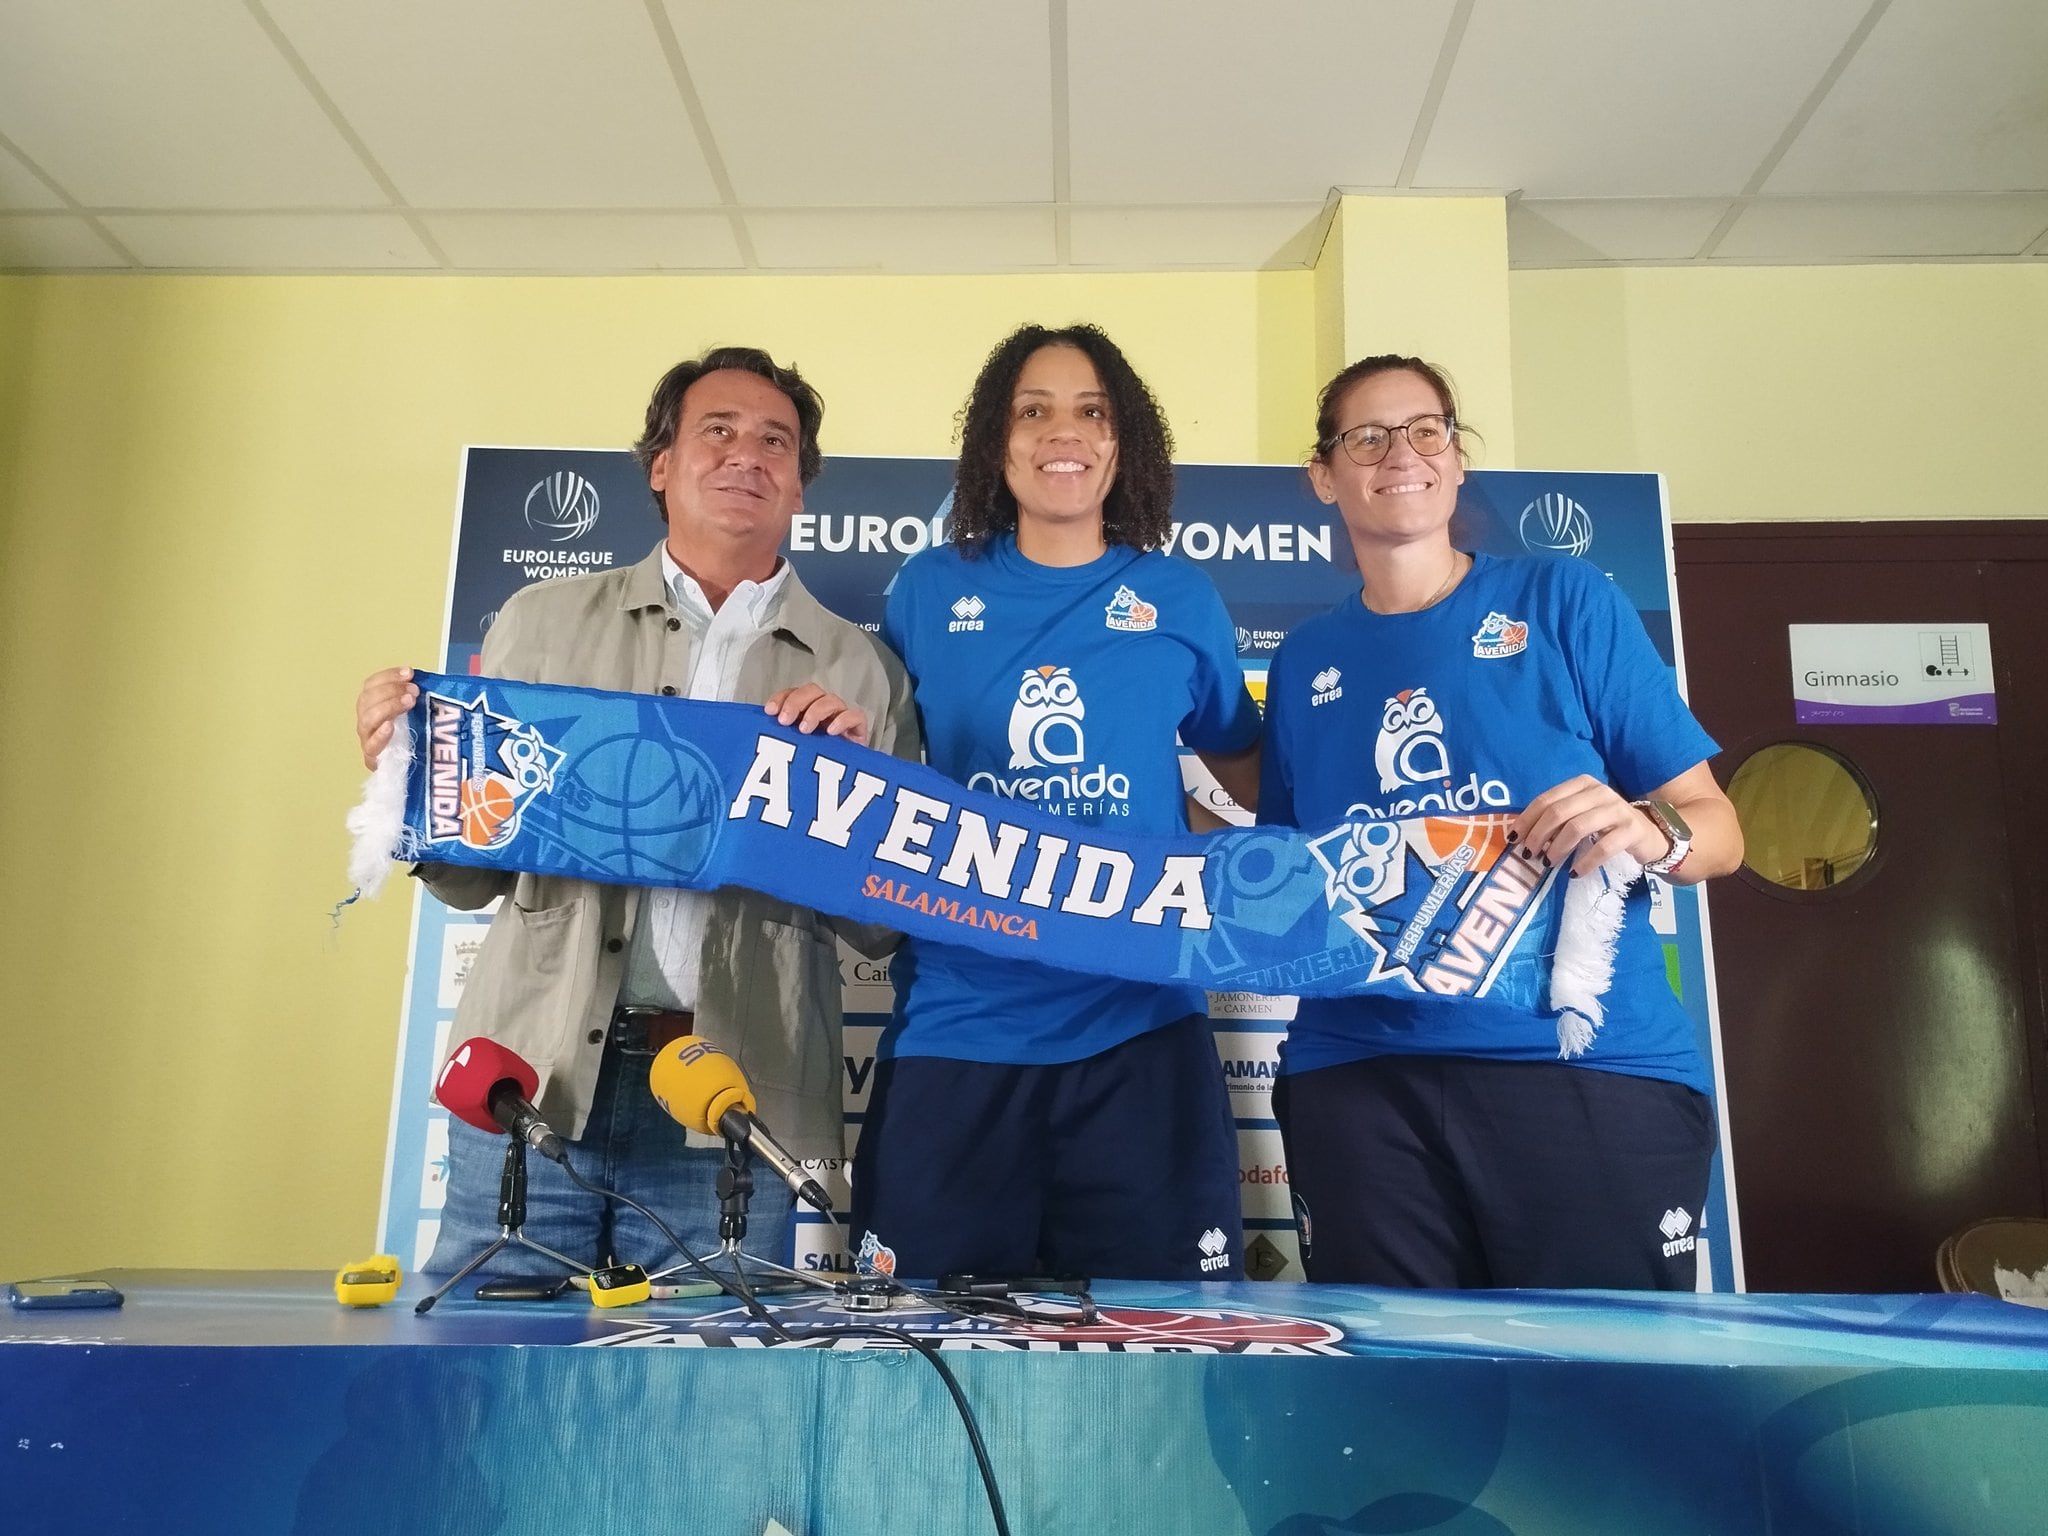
(529, 983)
(793, 1034)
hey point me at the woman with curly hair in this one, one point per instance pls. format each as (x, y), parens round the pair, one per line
(1026, 1120)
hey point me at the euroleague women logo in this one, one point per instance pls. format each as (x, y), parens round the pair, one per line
(563, 506)
(1554, 524)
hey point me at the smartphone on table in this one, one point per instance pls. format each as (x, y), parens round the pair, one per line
(50, 1295)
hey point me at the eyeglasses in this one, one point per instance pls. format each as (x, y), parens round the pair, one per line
(1428, 435)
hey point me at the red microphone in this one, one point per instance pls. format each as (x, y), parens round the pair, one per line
(491, 1087)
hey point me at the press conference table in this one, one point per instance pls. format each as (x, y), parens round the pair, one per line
(254, 1402)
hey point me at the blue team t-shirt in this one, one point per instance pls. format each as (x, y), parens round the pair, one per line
(1530, 672)
(1062, 688)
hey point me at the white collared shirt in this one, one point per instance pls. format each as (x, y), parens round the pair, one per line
(668, 941)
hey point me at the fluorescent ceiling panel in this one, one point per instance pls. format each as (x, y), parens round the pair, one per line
(139, 104)
(1943, 96)
(586, 242)
(905, 240)
(907, 103)
(272, 242)
(1204, 101)
(22, 188)
(1832, 229)
(1622, 98)
(52, 241)
(474, 104)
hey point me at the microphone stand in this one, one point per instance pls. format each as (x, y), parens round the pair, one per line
(511, 1217)
(735, 1187)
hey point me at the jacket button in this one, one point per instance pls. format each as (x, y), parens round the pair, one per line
(669, 689)
(674, 625)
(596, 1037)
(613, 946)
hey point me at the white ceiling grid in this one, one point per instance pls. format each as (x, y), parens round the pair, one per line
(936, 136)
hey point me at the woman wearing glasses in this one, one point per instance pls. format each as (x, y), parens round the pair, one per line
(1025, 1120)
(1453, 1142)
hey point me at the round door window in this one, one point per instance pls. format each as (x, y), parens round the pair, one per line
(1809, 819)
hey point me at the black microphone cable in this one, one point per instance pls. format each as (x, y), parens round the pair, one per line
(737, 1286)
(930, 1352)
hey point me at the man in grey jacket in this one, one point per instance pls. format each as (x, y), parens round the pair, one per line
(588, 981)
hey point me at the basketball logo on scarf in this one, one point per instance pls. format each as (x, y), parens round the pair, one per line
(483, 770)
(1438, 899)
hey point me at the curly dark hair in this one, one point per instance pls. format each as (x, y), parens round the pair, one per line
(665, 408)
(1139, 511)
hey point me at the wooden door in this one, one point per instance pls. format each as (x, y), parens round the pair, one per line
(1886, 1053)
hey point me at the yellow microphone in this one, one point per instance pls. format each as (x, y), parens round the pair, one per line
(704, 1090)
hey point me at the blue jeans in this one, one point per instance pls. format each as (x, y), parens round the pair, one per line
(629, 1145)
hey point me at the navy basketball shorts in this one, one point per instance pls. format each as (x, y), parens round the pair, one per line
(1452, 1171)
(1122, 1165)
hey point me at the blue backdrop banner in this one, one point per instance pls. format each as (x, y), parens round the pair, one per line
(1275, 556)
(636, 789)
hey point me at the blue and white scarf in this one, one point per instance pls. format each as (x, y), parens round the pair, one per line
(634, 789)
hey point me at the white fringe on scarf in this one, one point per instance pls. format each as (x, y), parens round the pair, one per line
(1583, 967)
(378, 821)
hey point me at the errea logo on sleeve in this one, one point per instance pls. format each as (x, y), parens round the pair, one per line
(966, 614)
(1324, 687)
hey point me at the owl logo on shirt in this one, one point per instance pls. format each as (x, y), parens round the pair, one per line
(1045, 722)
(1410, 749)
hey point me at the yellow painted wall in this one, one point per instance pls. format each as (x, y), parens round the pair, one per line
(222, 501)
(1784, 393)
(1428, 277)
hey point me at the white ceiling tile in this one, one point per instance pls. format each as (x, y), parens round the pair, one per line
(506, 103)
(52, 241)
(904, 240)
(271, 242)
(1943, 96)
(1210, 101)
(1822, 229)
(138, 104)
(22, 188)
(1624, 98)
(1144, 239)
(587, 242)
(1568, 233)
(903, 103)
